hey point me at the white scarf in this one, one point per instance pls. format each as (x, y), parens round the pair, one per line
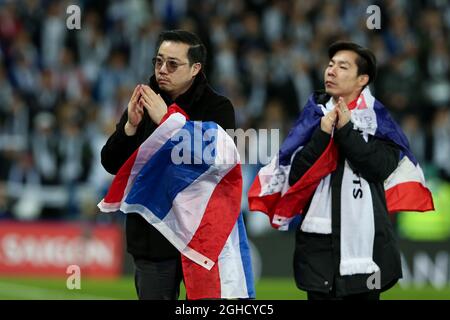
(357, 216)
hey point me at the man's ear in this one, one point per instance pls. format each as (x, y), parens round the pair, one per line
(196, 68)
(363, 79)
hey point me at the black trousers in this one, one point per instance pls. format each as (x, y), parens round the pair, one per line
(371, 295)
(158, 280)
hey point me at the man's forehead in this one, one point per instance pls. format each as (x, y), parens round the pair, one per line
(345, 56)
(171, 49)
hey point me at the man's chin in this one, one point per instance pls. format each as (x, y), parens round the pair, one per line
(331, 92)
(163, 86)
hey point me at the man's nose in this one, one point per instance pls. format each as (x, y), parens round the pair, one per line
(163, 68)
(331, 71)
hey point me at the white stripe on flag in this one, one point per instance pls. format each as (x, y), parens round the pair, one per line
(231, 270)
(108, 207)
(226, 152)
(274, 177)
(405, 172)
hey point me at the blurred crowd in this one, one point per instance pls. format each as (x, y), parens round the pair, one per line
(62, 91)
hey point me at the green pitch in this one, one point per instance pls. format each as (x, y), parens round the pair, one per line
(92, 289)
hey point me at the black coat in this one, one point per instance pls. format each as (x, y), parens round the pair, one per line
(317, 256)
(200, 102)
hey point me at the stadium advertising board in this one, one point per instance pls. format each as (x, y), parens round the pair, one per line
(48, 249)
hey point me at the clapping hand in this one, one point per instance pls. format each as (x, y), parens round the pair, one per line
(154, 103)
(344, 114)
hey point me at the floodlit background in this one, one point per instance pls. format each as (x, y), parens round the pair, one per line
(62, 91)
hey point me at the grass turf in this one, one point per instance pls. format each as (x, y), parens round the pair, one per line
(123, 288)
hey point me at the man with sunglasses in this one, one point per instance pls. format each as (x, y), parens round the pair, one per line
(178, 78)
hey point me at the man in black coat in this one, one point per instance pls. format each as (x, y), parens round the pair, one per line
(317, 256)
(178, 78)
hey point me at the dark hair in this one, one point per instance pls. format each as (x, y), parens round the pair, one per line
(366, 61)
(197, 50)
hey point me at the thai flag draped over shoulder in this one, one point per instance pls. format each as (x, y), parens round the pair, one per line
(270, 192)
(185, 180)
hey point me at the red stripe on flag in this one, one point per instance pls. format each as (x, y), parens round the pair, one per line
(174, 108)
(200, 283)
(409, 196)
(222, 210)
(117, 189)
(255, 189)
(296, 198)
(265, 203)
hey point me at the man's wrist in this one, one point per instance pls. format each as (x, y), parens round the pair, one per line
(129, 129)
(345, 125)
(343, 132)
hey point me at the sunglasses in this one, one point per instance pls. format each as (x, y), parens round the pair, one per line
(171, 65)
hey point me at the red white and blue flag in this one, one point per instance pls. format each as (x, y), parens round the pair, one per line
(186, 181)
(270, 192)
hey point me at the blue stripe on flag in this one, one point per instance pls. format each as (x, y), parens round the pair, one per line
(388, 129)
(160, 180)
(246, 257)
(302, 130)
(295, 222)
